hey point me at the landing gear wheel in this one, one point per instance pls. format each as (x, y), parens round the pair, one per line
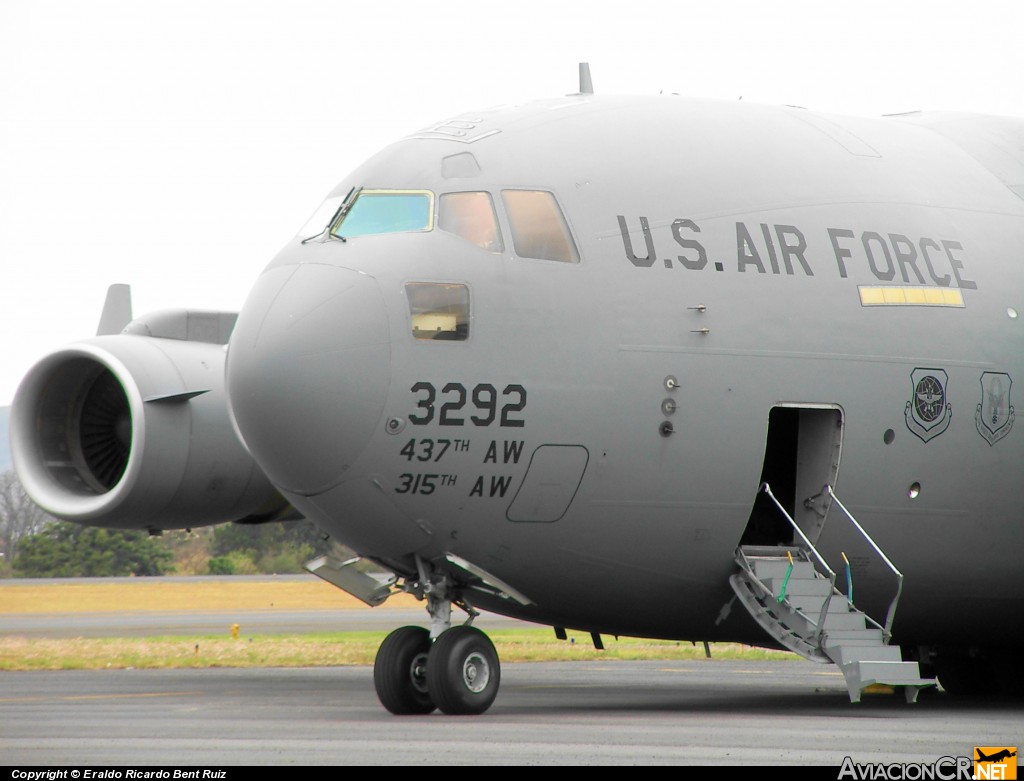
(400, 672)
(463, 672)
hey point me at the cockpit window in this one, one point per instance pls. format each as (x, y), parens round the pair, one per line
(538, 228)
(386, 211)
(438, 310)
(470, 216)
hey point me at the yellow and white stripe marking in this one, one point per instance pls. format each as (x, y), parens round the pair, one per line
(879, 295)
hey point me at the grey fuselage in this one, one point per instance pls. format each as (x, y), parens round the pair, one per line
(762, 257)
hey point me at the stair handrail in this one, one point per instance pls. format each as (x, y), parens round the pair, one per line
(891, 615)
(810, 546)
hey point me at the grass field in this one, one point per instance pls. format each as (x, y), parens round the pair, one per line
(157, 594)
(306, 650)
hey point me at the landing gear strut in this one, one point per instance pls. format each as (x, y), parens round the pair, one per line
(453, 668)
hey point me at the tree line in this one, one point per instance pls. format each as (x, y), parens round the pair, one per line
(33, 544)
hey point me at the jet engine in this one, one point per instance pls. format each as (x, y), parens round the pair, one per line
(133, 431)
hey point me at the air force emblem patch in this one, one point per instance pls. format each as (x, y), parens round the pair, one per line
(927, 412)
(994, 416)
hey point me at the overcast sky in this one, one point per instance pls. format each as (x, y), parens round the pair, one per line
(176, 146)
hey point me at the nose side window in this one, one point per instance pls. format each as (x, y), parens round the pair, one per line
(471, 216)
(538, 227)
(438, 311)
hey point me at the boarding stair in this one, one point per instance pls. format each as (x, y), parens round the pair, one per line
(791, 592)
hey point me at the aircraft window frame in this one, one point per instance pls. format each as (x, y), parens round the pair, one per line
(495, 245)
(336, 230)
(450, 314)
(515, 219)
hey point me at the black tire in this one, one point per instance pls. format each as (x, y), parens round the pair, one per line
(463, 672)
(399, 672)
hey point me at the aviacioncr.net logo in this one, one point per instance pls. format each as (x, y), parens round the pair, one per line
(942, 769)
(995, 762)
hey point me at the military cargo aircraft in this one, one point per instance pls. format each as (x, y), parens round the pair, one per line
(645, 366)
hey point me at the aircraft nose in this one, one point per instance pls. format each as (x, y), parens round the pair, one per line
(307, 372)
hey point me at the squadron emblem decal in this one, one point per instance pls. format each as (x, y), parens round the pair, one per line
(927, 412)
(994, 416)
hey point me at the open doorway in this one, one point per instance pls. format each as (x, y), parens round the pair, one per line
(801, 456)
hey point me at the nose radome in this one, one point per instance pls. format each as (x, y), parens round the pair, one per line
(307, 372)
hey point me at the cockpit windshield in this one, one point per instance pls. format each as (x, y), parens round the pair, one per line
(538, 227)
(386, 211)
(471, 217)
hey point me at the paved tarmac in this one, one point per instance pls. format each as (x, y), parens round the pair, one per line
(698, 712)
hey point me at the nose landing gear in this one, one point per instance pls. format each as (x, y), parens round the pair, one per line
(453, 668)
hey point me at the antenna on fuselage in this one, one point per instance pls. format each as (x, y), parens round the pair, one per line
(586, 85)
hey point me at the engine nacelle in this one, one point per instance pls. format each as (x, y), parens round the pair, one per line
(133, 431)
